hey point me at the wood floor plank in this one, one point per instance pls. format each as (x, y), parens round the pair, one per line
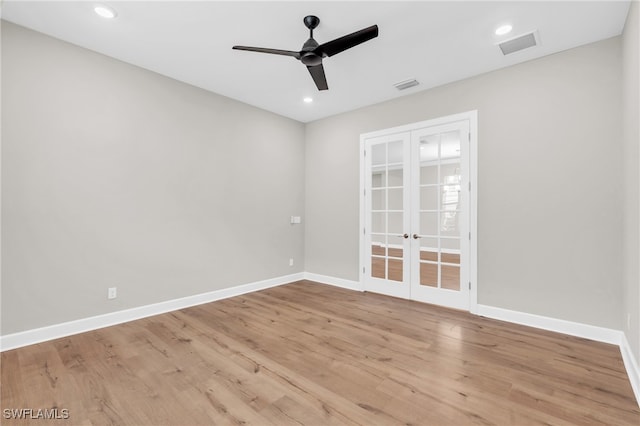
(310, 354)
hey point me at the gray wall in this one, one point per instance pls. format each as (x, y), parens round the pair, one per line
(549, 192)
(631, 133)
(116, 176)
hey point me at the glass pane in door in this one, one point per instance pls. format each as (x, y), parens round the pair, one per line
(395, 154)
(450, 277)
(378, 267)
(378, 196)
(378, 255)
(395, 269)
(395, 198)
(450, 263)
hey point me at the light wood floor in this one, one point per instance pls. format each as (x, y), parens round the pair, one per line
(310, 354)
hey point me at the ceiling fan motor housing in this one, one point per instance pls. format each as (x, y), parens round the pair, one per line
(307, 54)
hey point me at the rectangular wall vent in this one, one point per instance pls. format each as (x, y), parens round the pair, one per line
(519, 43)
(406, 84)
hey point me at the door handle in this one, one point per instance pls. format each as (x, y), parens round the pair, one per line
(416, 236)
(403, 236)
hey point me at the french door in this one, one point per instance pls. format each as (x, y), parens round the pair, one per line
(416, 211)
(388, 216)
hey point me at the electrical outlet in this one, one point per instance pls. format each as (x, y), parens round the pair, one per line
(112, 293)
(291, 262)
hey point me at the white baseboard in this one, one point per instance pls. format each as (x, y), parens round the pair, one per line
(337, 282)
(631, 365)
(38, 335)
(600, 334)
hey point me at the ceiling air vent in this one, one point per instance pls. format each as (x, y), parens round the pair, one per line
(519, 43)
(406, 84)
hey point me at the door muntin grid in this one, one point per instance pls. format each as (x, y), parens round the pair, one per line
(388, 209)
(439, 210)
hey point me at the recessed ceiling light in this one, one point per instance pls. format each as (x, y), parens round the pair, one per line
(504, 29)
(105, 11)
(308, 100)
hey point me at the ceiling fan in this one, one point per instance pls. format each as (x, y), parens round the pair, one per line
(312, 53)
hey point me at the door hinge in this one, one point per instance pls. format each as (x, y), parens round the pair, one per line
(469, 185)
(364, 231)
(469, 235)
(365, 152)
(363, 269)
(469, 285)
(364, 191)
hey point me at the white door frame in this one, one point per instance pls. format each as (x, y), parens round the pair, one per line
(472, 118)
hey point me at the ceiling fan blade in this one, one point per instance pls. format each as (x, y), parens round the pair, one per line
(317, 73)
(266, 50)
(343, 43)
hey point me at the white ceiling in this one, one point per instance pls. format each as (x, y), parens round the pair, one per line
(434, 42)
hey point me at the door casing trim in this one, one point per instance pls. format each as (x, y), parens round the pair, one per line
(472, 118)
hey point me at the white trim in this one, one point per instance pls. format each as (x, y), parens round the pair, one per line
(631, 365)
(473, 210)
(56, 331)
(586, 331)
(362, 253)
(337, 282)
